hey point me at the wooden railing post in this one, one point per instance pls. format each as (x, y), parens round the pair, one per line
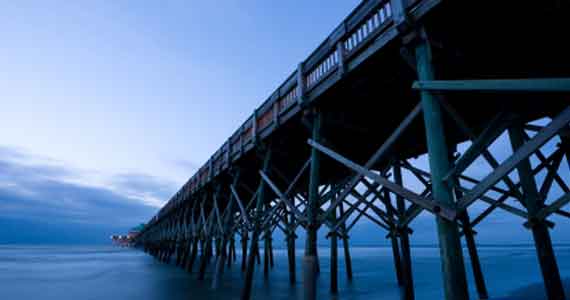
(301, 84)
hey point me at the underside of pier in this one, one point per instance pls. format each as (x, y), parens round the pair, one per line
(337, 142)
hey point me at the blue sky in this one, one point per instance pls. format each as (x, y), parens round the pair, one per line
(144, 86)
(108, 107)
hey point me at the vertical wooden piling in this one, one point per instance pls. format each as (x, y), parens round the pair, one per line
(246, 292)
(291, 246)
(258, 213)
(541, 235)
(179, 253)
(218, 266)
(218, 247)
(226, 241)
(310, 259)
(183, 253)
(206, 256)
(404, 235)
(345, 246)
(266, 256)
(193, 254)
(393, 236)
(266, 245)
(166, 251)
(334, 257)
(257, 253)
(232, 251)
(234, 248)
(244, 238)
(469, 235)
(454, 278)
(212, 246)
(271, 258)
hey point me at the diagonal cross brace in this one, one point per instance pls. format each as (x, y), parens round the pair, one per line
(512, 162)
(351, 209)
(379, 154)
(556, 205)
(479, 143)
(376, 210)
(427, 203)
(243, 213)
(282, 196)
(218, 215)
(495, 128)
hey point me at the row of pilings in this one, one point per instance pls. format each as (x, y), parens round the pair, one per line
(202, 233)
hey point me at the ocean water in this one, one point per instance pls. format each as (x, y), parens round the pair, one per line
(69, 272)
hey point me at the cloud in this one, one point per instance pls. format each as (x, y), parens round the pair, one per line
(152, 190)
(44, 192)
(183, 166)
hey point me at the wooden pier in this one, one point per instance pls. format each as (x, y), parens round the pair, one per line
(336, 142)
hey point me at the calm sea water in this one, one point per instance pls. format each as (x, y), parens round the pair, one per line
(28, 272)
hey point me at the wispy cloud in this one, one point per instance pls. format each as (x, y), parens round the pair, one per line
(43, 190)
(150, 189)
(184, 165)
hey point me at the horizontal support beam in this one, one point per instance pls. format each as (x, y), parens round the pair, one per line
(552, 85)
